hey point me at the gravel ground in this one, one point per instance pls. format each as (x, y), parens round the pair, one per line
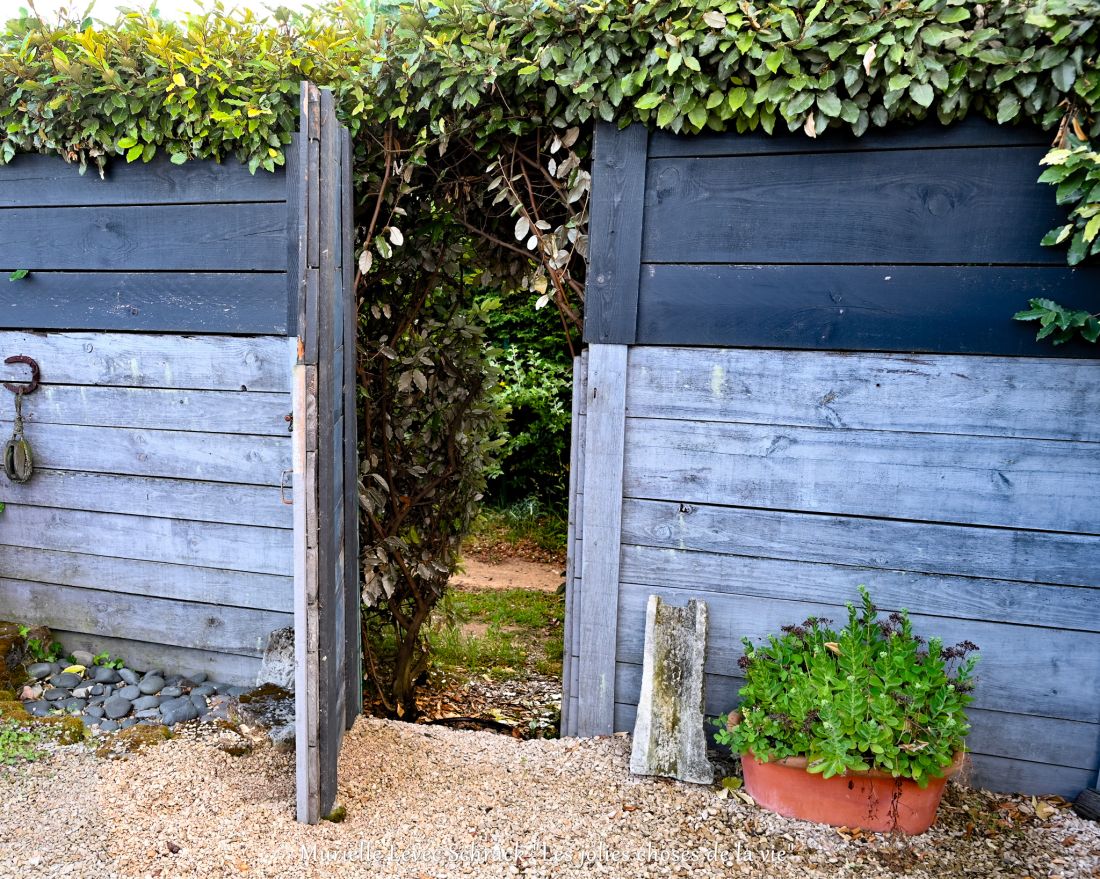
(431, 802)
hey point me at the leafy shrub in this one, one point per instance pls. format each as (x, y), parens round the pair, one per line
(872, 695)
(536, 393)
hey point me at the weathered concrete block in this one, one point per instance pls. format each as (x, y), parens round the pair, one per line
(278, 662)
(668, 734)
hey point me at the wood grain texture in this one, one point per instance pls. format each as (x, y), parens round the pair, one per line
(997, 733)
(931, 393)
(155, 497)
(615, 228)
(603, 481)
(243, 303)
(950, 309)
(141, 618)
(945, 206)
(1024, 670)
(1056, 607)
(888, 545)
(221, 237)
(1038, 484)
(47, 181)
(972, 132)
(230, 668)
(252, 460)
(201, 544)
(984, 771)
(151, 579)
(350, 325)
(573, 527)
(157, 360)
(233, 412)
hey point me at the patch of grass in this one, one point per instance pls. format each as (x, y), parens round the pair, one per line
(497, 632)
(18, 744)
(526, 529)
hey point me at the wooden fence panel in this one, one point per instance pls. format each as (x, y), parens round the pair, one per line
(326, 555)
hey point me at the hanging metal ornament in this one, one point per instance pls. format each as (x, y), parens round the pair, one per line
(18, 459)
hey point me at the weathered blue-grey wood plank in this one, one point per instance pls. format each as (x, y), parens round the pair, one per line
(932, 477)
(253, 460)
(141, 618)
(350, 325)
(603, 498)
(230, 668)
(1061, 607)
(1011, 776)
(1042, 739)
(244, 303)
(157, 497)
(41, 181)
(618, 184)
(995, 553)
(261, 414)
(929, 393)
(1046, 672)
(972, 132)
(572, 568)
(221, 237)
(951, 309)
(214, 586)
(983, 771)
(202, 544)
(948, 207)
(221, 363)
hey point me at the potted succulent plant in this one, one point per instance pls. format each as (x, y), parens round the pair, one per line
(859, 728)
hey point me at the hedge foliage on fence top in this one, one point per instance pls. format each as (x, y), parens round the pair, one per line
(484, 71)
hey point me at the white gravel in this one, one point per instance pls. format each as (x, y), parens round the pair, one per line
(432, 802)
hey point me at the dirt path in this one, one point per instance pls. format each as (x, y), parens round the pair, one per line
(428, 803)
(508, 574)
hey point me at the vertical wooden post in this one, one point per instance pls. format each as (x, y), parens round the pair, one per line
(615, 234)
(306, 622)
(605, 426)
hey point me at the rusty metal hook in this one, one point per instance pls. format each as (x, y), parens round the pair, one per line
(36, 374)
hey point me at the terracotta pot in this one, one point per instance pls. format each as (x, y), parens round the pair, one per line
(872, 800)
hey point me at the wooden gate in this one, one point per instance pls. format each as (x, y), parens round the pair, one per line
(328, 678)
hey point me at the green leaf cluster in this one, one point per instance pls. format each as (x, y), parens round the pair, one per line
(872, 696)
(1061, 324)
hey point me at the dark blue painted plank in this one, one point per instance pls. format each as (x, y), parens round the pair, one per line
(239, 303)
(217, 237)
(948, 206)
(947, 309)
(42, 181)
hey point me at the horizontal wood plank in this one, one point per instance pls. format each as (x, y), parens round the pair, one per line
(890, 545)
(950, 207)
(250, 460)
(244, 303)
(997, 733)
(949, 309)
(201, 544)
(156, 497)
(229, 668)
(1045, 672)
(1038, 484)
(141, 618)
(151, 579)
(221, 363)
(1056, 607)
(42, 181)
(972, 132)
(930, 393)
(236, 412)
(982, 770)
(221, 237)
